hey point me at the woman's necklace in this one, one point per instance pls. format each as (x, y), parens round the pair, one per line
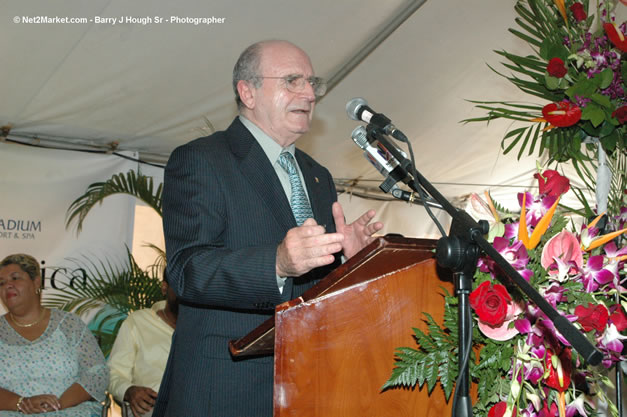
(18, 324)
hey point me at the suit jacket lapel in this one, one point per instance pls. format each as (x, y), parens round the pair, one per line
(258, 170)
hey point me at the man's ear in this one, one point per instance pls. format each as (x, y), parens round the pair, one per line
(246, 94)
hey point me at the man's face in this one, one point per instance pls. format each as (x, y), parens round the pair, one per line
(280, 113)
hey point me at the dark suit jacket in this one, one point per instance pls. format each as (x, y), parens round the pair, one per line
(224, 214)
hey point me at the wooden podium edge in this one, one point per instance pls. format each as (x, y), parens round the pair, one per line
(260, 341)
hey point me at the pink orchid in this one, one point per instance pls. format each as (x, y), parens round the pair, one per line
(565, 247)
(595, 274)
(543, 330)
(562, 270)
(515, 254)
(612, 252)
(523, 325)
(611, 345)
(554, 294)
(511, 230)
(535, 207)
(577, 408)
(504, 331)
(534, 373)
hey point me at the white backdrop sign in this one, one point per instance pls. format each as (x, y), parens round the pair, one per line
(36, 188)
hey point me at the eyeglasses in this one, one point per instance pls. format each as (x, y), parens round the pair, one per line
(296, 83)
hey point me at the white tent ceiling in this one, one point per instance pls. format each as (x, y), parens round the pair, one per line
(151, 87)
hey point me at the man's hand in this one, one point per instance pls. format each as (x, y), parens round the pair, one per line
(141, 399)
(358, 234)
(306, 247)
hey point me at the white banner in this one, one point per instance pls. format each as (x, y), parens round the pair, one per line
(36, 188)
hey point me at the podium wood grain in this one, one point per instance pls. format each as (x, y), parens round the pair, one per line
(334, 351)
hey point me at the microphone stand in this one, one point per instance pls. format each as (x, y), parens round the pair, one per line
(460, 251)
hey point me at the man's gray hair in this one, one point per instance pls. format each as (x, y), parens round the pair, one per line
(247, 69)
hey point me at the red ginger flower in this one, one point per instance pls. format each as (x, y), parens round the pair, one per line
(559, 376)
(578, 12)
(556, 68)
(616, 36)
(562, 114)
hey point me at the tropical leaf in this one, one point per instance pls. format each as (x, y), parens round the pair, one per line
(126, 288)
(134, 184)
(112, 290)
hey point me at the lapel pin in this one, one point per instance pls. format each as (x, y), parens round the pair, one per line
(316, 178)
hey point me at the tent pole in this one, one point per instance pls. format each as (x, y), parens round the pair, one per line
(372, 44)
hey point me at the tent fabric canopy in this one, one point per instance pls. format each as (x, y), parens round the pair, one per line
(159, 77)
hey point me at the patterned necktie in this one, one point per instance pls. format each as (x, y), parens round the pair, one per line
(300, 204)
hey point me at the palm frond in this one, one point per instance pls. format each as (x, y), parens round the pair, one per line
(134, 184)
(158, 267)
(126, 288)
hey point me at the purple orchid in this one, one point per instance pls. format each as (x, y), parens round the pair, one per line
(535, 207)
(611, 345)
(515, 254)
(577, 406)
(554, 294)
(511, 230)
(596, 274)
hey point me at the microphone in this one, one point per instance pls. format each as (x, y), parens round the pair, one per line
(357, 109)
(382, 157)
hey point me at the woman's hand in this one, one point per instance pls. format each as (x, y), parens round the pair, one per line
(40, 404)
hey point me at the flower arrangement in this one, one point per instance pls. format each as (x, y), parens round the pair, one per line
(578, 69)
(524, 366)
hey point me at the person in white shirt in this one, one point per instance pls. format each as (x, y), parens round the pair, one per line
(140, 353)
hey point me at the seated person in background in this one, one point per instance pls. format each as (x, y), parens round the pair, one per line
(51, 363)
(140, 353)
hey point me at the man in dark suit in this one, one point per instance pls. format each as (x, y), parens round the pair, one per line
(236, 239)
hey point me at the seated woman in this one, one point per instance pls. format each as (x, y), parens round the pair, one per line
(51, 363)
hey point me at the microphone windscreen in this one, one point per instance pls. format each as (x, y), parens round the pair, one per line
(360, 137)
(353, 106)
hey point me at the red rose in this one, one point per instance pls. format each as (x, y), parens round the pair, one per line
(498, 410)
(553, 380)
(616, 36)
(619, 319)
(552, 183)
(490, 303)
(562, 114)
(592, 317)
(556, 68)
(620, 114)
(578, 12)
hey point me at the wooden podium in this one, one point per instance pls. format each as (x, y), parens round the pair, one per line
(334, 346)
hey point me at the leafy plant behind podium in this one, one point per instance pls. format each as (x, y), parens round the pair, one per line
(113, 290)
